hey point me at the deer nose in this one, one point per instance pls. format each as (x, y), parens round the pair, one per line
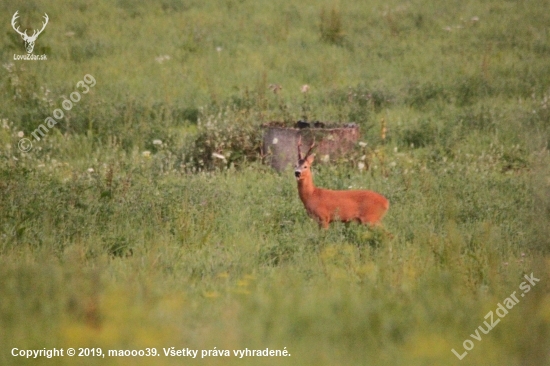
(297, 173)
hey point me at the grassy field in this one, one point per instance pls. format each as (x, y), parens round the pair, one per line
(119, 230)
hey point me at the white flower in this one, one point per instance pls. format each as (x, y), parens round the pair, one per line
(9, 66)
(218, 156)
(146, 153)
(161, 59)
(362, 144)
(475, 19)
(275, 140)
(90, 170)
(219, 49)
(304, 88)
(20, 134)
(361, 165)
(157, 142)
(325, 158)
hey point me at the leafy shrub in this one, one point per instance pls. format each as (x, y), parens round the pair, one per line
(420, 135)
(29, 102)
(227, 139)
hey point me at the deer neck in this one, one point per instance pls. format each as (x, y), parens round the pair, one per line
(306, 187)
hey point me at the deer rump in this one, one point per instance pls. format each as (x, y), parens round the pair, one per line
(361, 206)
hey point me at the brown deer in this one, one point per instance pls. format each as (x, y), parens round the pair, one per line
(326, 206)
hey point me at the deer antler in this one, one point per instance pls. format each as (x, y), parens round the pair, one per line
(13, 20)
(35, 33)
(300, 157)
(44, 23)
(310, 148)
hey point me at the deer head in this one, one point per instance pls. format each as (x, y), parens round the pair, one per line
(29, 40)
(304, 162)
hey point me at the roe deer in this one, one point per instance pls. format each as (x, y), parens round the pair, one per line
(326, 206)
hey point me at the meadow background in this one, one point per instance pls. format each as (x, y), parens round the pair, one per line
(109, 238)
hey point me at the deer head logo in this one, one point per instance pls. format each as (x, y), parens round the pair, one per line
(29, 40)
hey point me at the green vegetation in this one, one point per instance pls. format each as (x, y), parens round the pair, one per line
(120, 229)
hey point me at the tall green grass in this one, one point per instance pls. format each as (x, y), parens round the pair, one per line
(120, 229)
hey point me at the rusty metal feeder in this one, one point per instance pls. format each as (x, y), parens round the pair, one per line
(280, 142)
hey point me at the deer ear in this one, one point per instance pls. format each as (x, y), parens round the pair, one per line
(310, 158)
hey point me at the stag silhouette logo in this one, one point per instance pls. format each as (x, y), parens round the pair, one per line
(29, 40)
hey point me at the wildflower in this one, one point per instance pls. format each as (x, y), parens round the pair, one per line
(90, 170)
(146, 153)
(9, 66)
(275, 88)
(219, 49)
(218, 156)
(20, 134)
(361, 165)
(304, 88)
(157, 142)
